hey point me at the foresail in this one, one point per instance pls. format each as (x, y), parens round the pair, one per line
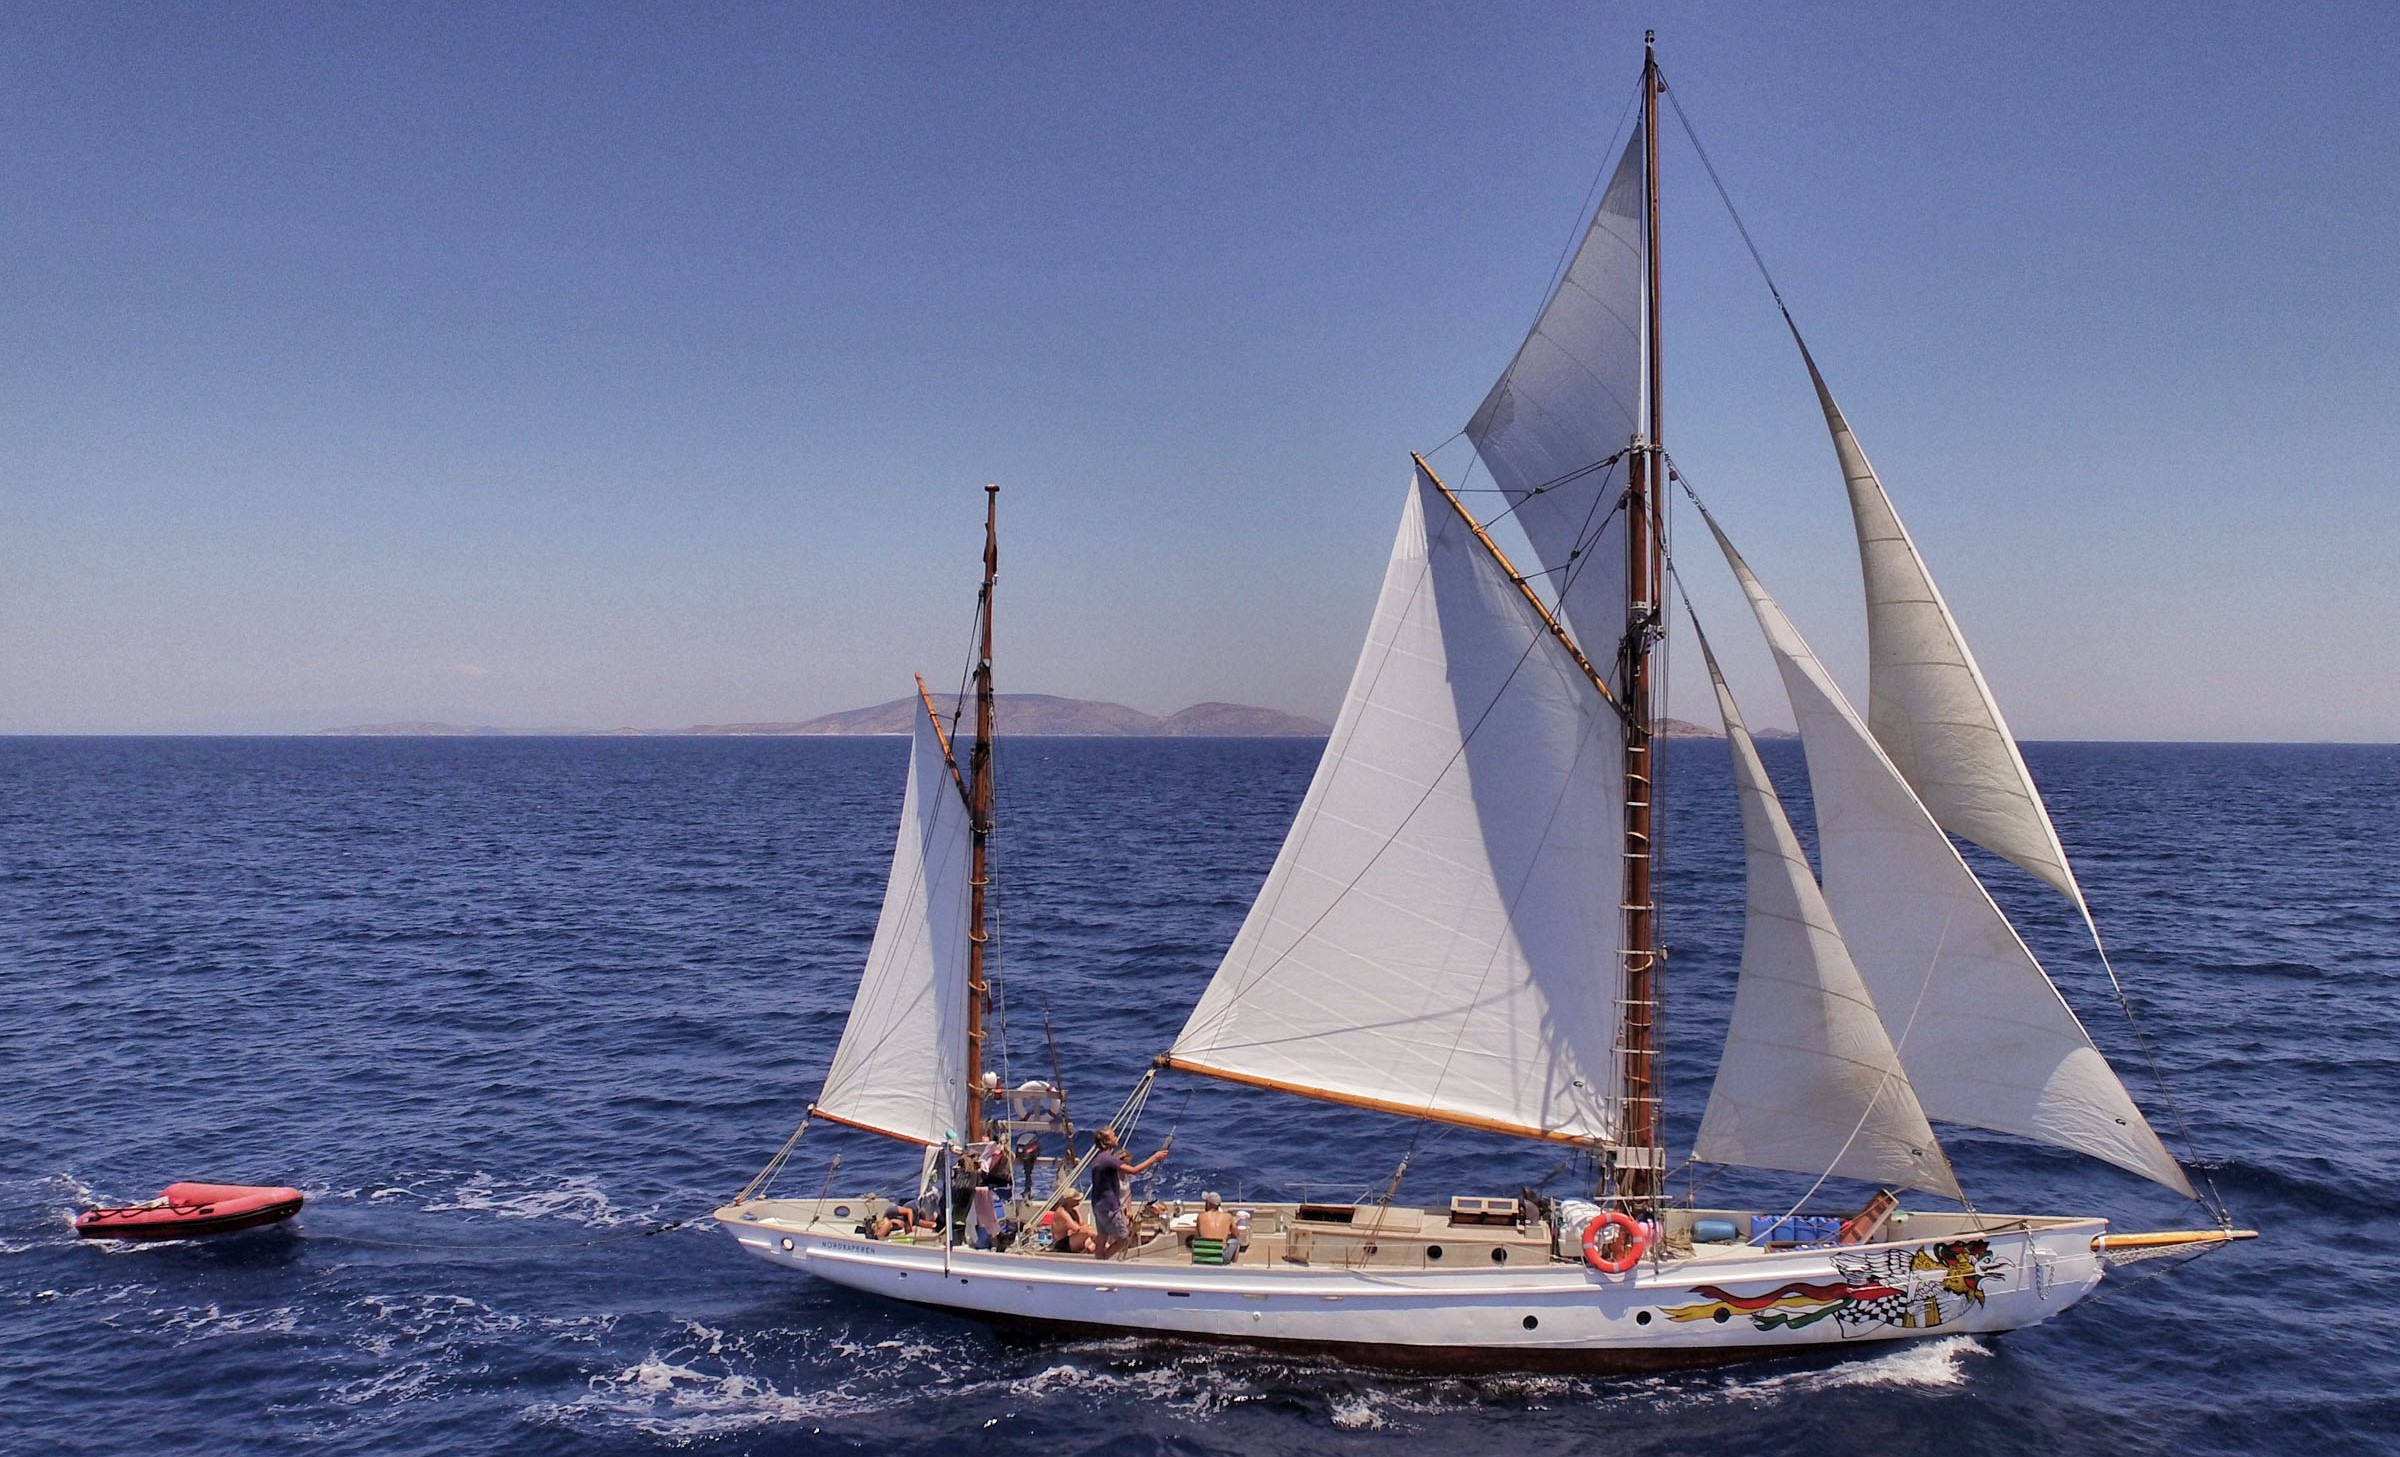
(1570, 399)
(901, 1066)
(1927, 701)
(1438, 936)
(1809, 1080)
(1986, 1039)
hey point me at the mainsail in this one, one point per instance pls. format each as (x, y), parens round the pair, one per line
(1436, 937)
(901, 1066)
(1571, 399)
(1985, 1037)
(1809, 1080)
(1927, 701)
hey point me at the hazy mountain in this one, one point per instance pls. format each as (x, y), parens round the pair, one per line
(1021, 715)
(1676, 728)
(1039, 715)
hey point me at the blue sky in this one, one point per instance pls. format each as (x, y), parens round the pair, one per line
(590, 365)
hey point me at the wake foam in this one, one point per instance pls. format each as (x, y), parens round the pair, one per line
(1920, 1364)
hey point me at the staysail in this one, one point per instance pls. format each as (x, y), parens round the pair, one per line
(901, 1066)
(1985, 1037)
(1927, 701)
(1809, 1080)
(1570, 399)
(1435, 938)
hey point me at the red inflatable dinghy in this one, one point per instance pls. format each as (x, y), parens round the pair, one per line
(182, 1211)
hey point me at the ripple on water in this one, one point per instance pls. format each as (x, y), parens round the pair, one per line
(506, 1007)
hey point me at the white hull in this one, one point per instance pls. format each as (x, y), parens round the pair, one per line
(1555, 1315)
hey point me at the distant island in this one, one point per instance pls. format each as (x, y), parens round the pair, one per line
(1677, 728)
(1024, 715)
(1037, 715)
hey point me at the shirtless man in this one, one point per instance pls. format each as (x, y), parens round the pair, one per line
(1215, 1221)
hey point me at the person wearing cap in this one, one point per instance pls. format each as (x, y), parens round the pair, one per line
(1068, 1229)
(1215, 1221)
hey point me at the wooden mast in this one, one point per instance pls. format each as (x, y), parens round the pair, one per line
(979, 818)
(1641, 1160)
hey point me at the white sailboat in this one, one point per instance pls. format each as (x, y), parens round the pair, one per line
(1461, 927)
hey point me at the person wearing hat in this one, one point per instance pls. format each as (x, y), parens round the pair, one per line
(1214, 1221)
(1069, 1230)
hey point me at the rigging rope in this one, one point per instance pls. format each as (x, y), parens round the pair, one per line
(764, 1179)
(1730, 211)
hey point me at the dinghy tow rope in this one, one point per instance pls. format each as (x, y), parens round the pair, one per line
(617, 1237)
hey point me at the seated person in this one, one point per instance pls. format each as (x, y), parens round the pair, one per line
(1069, 1230)
(1216, 1237)
(1215, 1220)
(897, 1220)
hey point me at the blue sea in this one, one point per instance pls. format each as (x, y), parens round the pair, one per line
(514, 1012)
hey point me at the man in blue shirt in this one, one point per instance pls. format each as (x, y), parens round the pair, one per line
(1110, 1171)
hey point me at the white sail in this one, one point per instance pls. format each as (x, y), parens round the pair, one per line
(1439, 935)
(901, 1068)
(1809, 1080)
(1571, 398)
(1927, 701)
(1985, 1037)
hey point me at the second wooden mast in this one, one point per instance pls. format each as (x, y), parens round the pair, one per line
(979, 819)
(1641, 1149)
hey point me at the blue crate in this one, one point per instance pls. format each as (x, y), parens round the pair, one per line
(1794, 1229)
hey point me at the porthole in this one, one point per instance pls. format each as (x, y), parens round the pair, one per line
(841, 1211)
(1499, 1256)
(1643, 1318)
(787, 1241)
(1532, 1321)
(1433, 1252)
(1723, 1315)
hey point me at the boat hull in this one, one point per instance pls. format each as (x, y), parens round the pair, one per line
(1555, 1317)
(191, 1211)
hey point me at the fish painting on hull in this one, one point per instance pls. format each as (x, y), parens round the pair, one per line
(1912, 1289)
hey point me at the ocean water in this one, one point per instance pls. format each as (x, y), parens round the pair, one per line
(511, 1011)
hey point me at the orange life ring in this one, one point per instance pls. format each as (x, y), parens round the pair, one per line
(1637, 1239)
